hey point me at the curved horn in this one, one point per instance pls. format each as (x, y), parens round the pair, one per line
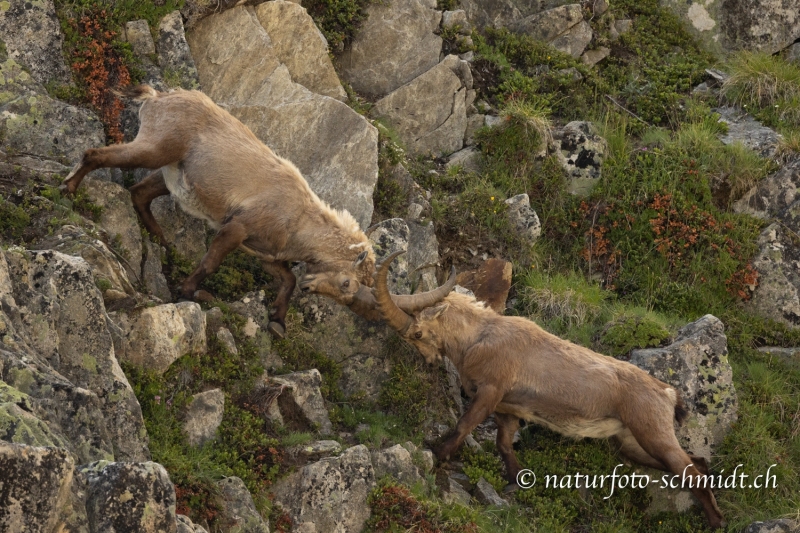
(413, 303)
(394, 316)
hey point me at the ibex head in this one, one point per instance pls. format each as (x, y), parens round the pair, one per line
(343, 283)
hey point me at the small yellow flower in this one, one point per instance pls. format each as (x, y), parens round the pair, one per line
(491, 198)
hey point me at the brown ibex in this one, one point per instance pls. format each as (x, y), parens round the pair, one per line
(219, 171)
(511, 367)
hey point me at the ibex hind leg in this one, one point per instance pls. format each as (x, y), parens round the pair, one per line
(230, 236)
(142, 195)
(136, 154)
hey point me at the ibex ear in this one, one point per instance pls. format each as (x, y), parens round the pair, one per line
(432, 313)
(360, 258)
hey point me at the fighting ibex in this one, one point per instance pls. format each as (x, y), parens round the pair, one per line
(511, 367)
(218, 170)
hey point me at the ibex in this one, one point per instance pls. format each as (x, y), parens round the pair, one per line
(511, 367)
(218, 170)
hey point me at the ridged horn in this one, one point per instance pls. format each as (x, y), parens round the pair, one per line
(394, 316)
(413, 303)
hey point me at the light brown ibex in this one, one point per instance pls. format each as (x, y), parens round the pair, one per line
(511, 367)
(218, 170)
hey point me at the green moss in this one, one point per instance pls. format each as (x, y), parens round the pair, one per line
(13, 220)
(629, 332)
(338, 19)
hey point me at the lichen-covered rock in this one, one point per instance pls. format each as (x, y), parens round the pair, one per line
(58, 316)
(575, 40)
(776, 295)
(745, 129)
(331, 493)
(152, 272)
(19, 425)
(35, 486)
(395, 44)
(184, 232)
(773, 194)
(423, 256)
(137, 33)
(239, 514)
(388, 237)
(781, 525)
(523, 218)
(696, 364)
(174, 55)
(315, 449)
(33, 38)
(497, 13)
(490, 282)
(303, 399)
(581, 152)
(185, 525)
(159, 335)
(486, 494)
(225, 337)
(334, 147)
(551, 24)
(397, 463)
(203, 416)
(129, 497)
(429, 112)
(301, 47)
(469, 159)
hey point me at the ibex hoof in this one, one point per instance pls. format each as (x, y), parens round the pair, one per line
(277, 330)
(203, 296)
(64, 189)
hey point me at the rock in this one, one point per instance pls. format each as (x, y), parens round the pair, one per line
(137, 33)
(20, 426)
(524, 219)
(776, 295)
(453, 492)
(174, 55)
(575, 40)
(593, 57)
(784, 353)
(152, 271)
(146, 485)
(486, 494)
(773, 194)
(185, 525)
(781, 525)
(184, 232)
(497, 13)
(793, 53)
(388, 237)
(456, 20)
(581, 152)
(203, 416)
(239, 512)
(32, 123)
(301, 47)
(423, 256)
(33, 38)
(429, 113)
(765, 25)
(397, 463)
(331, 493)
(303, 400)
(394, 45)
(240, 69)
(159, 335)
(621, 27)
(56, 319)
(747, 130)
(696, 364)
(469, 159)
(474, 123)
(119, 220)
(225, 337)
(36, 485)
(316, 449)
(490, 283)
(551, 24)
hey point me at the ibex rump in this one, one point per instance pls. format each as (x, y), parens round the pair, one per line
(218, 170)
(511, 367)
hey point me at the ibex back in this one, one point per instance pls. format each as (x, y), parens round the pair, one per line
(218, 170)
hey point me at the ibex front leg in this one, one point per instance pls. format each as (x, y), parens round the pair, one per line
(277, 316)
(483, 404)
(142, 195)
(227, 240)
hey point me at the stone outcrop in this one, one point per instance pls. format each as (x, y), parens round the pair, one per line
(174, 56)
(581, 152)
(239, 513)
(203, 416)
(696, 364)
(241, 68)
(563, 27)
(397, 463)
(394, 45)
(302, 399)
(523, 218)
(745, 129)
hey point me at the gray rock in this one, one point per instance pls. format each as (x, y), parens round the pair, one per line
(316, 449)
(696, 364)
(776, 295)
(203, 416)
(548, 25)
(303, 399)
(429, 113)
(486, 494)
(59, 321)
(301, 47)
(33, 38)
(469, 159)
(747, 130)
(331, 493)
(497, 13)
(593, 57)
(423, 256)
(388, 237)
(152, 272)
(784, 353)
(773, 194)
(185, 525)
(621, 27)
(146, 485)
(453, 492)
(524, 219)
(225, 337)
(174, 55)
(239, 512)
(36, 485)
(397, 463)
(581, 152)
(781, 525)
(793, 53)
(394, 45)
(137, 32)
(159, 335)
(325, 138)
(184, 232)
(575, 40)
(474, 123)
(456, 19)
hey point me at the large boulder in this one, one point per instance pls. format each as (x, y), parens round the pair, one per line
(767, 25)
(777, 295)
(32, 35)
(174, 56)
(239, 513)
(394, 45)
(302, 399)
(581, 152)
(563, 27)
(331, 493)
(203, 416)
(696, 364)
(429, 112)
(241, 68)
(773, 194)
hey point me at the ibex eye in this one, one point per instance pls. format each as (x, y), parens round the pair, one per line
(418, 335)
(346, 283)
